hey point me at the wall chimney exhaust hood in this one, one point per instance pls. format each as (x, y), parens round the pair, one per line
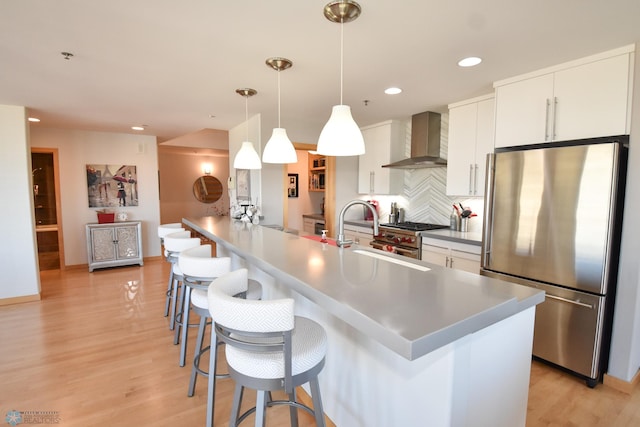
(425, 143)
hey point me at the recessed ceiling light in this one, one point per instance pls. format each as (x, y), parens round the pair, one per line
(137, 127)
(392, 90)
(470, 61)
(33, 119)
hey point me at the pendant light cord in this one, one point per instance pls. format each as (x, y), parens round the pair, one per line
(246, 113)
(341, 56)
(279, 99)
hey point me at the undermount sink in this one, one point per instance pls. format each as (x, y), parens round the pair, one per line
(390, 259)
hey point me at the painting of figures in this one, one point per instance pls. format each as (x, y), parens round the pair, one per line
(112, 186)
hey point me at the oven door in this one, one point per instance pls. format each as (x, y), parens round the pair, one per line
(400, 250)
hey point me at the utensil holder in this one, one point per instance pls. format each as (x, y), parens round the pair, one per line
(464, 224)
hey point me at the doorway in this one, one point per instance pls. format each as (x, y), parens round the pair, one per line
(322, 199)
(46, 204)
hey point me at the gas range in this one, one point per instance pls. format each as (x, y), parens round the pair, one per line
(403, 238)
(414, 226)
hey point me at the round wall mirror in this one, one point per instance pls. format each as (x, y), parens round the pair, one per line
(207, 189)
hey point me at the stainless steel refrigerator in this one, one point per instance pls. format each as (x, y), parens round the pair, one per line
(553, 218)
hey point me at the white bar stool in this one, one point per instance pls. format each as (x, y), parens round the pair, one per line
(268, 348)
(198, 269)
(200, 305)
(163, 230)
(174, 243)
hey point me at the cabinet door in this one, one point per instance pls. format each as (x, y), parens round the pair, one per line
(383, 145)
(127, 242)
(461, 151)
(309, 225)
(591, 100)
(435, 255)
(103, 247)
(465, 261)
(484, 143)
(522, 111)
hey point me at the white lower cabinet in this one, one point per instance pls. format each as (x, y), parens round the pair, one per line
(115, 244)
(460, 256)
(312, 225)
(360, 235)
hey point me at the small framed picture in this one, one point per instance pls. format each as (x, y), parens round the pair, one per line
(243, 185)
(293, 185)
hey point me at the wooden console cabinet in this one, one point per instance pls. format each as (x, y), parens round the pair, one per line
(114, 244)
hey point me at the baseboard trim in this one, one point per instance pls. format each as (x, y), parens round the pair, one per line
(19, 300)
(622, 385)
(303, 397)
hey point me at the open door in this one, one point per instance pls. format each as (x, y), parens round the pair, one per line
(46, 198)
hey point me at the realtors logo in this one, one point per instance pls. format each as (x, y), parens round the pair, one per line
(15, 418)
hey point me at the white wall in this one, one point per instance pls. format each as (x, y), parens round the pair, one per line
(18, 253)
(78, 148)
(625, 345)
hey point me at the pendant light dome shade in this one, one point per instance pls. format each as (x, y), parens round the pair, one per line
(279, 148)
(247, 157)
(341, 135)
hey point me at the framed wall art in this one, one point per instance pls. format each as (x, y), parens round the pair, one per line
(243, 185)
(112, 186)
(293, 185)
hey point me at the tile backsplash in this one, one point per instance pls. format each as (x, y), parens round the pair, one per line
(424, 197)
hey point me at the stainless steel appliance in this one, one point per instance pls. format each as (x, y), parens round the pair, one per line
(403, 238)
(553, 217)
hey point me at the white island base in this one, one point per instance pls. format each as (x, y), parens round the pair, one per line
(478, 380)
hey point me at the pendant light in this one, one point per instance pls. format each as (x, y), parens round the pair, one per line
(279, 148)
(247, 157)
(341, 135)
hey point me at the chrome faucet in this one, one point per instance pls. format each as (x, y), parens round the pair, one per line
(341, 241)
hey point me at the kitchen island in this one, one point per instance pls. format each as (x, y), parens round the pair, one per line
(410, 343)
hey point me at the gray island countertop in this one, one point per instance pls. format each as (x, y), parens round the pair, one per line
(411, 312)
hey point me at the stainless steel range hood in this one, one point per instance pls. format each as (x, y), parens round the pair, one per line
(425, 143)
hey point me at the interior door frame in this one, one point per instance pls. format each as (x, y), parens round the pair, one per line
(329, 189)
(56, 183)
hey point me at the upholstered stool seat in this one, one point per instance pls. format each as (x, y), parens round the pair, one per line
(268, 348)
(174, 244)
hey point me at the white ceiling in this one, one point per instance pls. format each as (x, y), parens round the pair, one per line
(171, 64)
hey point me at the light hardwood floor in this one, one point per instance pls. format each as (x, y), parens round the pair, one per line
(97, 351)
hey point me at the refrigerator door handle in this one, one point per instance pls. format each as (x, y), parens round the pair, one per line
(487, 224)
(570, 301)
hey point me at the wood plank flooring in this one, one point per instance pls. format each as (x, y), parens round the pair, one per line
(97, 351)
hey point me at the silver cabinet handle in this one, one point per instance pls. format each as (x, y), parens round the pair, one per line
(470, 179)
(555, 117)
(546, 120)
(451, 262)
(446, 262)
(475, 180)
(570, 301)
(372, 177)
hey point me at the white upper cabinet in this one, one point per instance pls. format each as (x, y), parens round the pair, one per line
(384, 143)
(470, 140)
(581, 99)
